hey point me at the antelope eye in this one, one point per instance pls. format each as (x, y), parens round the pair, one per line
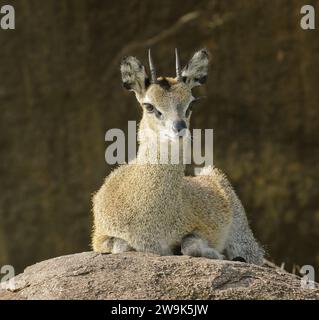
(149, 107)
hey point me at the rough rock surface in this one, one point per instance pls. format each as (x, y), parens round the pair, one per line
(89, 275)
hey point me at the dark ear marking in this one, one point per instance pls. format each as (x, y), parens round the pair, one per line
(126, 85)
(202, 80)
(205, 52)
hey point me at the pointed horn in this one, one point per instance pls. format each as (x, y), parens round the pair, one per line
(152, 67)
(178, 66)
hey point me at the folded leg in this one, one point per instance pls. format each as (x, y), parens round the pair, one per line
(193, 245)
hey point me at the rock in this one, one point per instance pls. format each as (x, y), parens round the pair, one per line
(89, 275)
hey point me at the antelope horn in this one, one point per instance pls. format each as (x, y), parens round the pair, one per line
(152, 67)
(178, 66)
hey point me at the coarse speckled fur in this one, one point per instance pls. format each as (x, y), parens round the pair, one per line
(154, 207)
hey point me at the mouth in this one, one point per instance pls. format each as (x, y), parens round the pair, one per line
(176, 136)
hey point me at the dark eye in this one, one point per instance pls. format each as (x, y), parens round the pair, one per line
(149, 107)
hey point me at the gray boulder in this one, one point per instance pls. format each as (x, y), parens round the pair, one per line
(89, 275)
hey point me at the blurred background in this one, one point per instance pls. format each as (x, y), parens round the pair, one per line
(60, 90)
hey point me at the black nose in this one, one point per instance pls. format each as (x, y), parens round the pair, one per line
(179, 125)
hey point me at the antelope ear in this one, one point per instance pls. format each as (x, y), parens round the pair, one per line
(134, 76)
(195, 72)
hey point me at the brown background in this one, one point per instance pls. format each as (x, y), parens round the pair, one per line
(60, 90)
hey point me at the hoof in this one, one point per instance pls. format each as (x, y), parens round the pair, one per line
(239, 259)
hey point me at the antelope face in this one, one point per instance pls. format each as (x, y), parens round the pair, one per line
(167, 108)
(167, 102)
